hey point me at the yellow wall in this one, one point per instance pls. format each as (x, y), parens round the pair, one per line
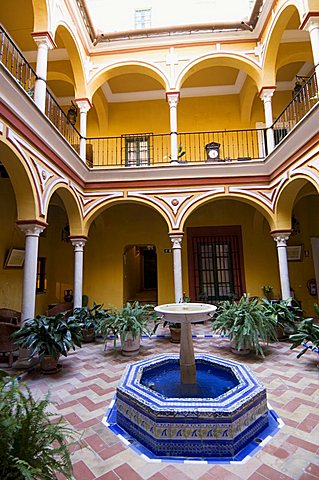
(139, 117)
(194, 114)
(11, 236)
(306, 212)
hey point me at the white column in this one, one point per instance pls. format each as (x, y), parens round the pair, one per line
(281, 241)
(266, 96)
(44, 42)
(78, 244)
(311, 24)
(32, 232)
(177, 266)
(173, 98)
(84, 106)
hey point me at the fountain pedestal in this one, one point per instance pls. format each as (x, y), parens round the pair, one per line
(186, 314)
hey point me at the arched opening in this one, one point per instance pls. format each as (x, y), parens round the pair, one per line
(229, 251)
(124, 257)
(140, 274)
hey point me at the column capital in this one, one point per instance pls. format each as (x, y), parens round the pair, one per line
(44, 38)
(266, 93)
(31, 227)
(172, 98)
(310, 21)
(78, 242)
(281, 237)
(83, 104)
(176, 239)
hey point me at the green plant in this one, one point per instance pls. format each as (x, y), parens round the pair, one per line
(281, 311)
(33, 444)
(267, 290)
(307, 331)
(245, 322)
(89, 318)
(133, 319)
(52, 336)
(180, 152)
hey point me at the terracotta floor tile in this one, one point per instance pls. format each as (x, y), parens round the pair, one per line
(313, 469)
(311, 447)
(126, 472)
(173, 473)
(82, 472)
(272, 474)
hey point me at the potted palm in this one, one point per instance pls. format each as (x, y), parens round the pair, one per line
(49, 337)
(89, 318)
(128, 324)
(246, 324)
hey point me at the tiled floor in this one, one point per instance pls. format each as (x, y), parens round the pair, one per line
(85, 386)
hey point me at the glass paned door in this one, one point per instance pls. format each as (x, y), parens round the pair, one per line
(215, 263)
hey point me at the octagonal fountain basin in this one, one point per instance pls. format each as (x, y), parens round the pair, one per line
(218, 419)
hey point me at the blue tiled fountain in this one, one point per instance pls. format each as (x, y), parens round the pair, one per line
(209, 408)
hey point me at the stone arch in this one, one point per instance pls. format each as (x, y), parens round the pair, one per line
(122, 68)
(273, 41)
(27, 200)
(41, 16)
(286, 200)
(72, 207)
(138, 201)
(233, 60)
(266, 212)
(75, 59)
(295, 56)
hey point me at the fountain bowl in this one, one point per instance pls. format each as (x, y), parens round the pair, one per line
(186, 312)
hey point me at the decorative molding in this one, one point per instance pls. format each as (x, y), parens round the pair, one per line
(44, 38)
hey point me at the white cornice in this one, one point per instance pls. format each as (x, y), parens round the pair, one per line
(294, 36)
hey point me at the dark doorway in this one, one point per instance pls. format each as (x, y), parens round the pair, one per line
(140, 274)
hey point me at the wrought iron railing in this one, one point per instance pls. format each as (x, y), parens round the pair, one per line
(153, 149)
(223, 145)
(304, 99)
(129, 150)
(15, 62)
(57, 116)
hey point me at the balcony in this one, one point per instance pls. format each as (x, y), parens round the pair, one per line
(148, 149)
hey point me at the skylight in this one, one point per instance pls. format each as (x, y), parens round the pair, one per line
(125, 15)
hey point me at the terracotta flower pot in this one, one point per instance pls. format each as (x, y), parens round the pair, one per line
(131, 346)
(88, 335)
(49, 364)
(175, 335)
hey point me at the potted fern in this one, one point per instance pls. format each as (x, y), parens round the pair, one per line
(128, 324)
(33, 444)
(246, 324)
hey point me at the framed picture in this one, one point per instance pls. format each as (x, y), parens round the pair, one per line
(294, 253)
(14, 259)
